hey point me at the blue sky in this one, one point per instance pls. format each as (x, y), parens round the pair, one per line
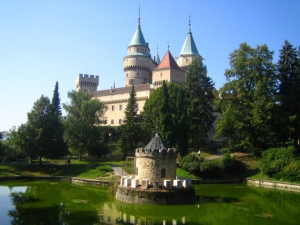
(45, 41)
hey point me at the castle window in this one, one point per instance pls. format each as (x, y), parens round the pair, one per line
(113, 108)
(137, 106)
(137, 59)
(137, 49)
(130, 81)
(120, 121)
(163, 173)
(126, 74)
(112, 122)
(105, 121)
(160, 74)
(120, 107)
(137, 171)
(106, 108)
(138, 74)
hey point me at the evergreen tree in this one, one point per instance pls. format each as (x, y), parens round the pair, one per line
(166, 126)
(289, 92)
(83, 116)
(58, 145)
(199, 94)
(130, 129)
(56, 100)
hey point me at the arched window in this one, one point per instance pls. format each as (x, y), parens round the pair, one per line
(163, 173)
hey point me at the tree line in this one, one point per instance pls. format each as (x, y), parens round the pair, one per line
(258, 106)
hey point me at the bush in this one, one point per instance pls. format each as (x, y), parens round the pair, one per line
(5, 159)
(274, 160)
(190, 163)
(105, 168)
(229, 163)
(210, 167)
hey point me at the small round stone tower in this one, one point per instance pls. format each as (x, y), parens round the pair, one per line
(155, 181)
(156, 162)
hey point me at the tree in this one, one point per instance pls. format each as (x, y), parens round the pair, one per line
(58, 146)
(56, 100)
(130, 129)
(248, 99)
(289, 91)
(176, 111)
(83, 116)
(37, 131)
(166, 124)
(199, 96)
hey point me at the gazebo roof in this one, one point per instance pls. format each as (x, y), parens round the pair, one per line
(156, 143)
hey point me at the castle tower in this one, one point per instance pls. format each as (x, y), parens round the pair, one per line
(188, 52)
(87, 83)
(167, 70)
(156, 162)
(138, 64)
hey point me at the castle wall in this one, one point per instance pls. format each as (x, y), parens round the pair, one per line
(115, 105)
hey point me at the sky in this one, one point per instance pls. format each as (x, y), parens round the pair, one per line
(42, 42)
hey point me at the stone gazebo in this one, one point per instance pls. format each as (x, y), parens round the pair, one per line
(155, 181)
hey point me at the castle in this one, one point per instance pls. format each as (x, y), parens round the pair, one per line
(142, 71)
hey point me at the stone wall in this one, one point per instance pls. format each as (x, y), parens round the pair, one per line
(156, 197)
(273, 185)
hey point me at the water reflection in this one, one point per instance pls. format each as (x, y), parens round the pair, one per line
(63, 203)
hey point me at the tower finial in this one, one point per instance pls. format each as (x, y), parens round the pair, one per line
(168, 45)
(139, 19)
(190, 23)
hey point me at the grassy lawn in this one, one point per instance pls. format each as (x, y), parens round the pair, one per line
(87, 168)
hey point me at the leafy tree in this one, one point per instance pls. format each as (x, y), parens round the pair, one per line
(199, 96)
(130, 129)
(37, 131)
(150, 117)
(83, 116)
(247, 99)
(289, 91)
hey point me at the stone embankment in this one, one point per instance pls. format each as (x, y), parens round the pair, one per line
(75, 180)
(273, 184)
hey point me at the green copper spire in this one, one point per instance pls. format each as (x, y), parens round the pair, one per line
(138, 37)
(189, 46)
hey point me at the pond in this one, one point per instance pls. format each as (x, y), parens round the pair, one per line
(52, 202)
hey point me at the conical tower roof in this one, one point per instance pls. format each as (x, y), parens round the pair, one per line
(138, 37)
(189, 46)
(168, 62)
(156, 143)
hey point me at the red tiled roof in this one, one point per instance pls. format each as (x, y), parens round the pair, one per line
(168, 62)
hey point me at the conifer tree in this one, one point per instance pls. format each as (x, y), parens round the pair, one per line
(199, 89)
(166, 126)
(130, 129)
(56, 100)
(289, 92)
(59, 147)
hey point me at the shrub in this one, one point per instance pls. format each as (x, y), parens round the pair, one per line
(5, 159)
(274, 160)
(210, 167)
(190, 163)
(229, 163)
(105, 168)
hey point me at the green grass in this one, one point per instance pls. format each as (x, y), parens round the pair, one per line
(87, 168)
(182, 173)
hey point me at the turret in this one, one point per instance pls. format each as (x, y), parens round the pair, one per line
(138, 64)
(87, 83)
(188, 52)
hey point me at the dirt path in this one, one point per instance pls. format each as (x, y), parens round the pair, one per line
(118, 170)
